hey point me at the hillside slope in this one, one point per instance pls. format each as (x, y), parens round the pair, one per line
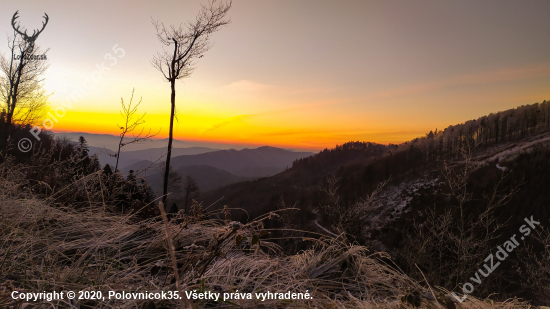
(300, 182)
(509, 182)
(127, 158)
(207, 177)
(262, 161)
(361, 166)
(252, 163)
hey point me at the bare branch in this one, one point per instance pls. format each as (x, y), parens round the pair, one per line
(189, 43)
(131, 122)
(21, 86)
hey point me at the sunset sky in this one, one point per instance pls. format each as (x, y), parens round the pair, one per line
(298, 74)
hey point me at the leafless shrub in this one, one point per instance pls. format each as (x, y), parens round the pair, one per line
(534, 270)
(448, 246)
(47, 246)
(347, 220)
(129, 125)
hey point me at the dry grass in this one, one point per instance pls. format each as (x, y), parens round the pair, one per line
(47, 247)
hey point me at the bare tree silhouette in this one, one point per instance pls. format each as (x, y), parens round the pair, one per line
(21, 88)
(190, 42)
(131, 122)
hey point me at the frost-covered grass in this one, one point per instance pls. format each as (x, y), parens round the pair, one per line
(49, 247)
(514, 150)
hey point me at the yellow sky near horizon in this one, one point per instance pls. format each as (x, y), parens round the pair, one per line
(328, 121)
(302, 75)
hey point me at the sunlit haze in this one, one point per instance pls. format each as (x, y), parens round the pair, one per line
(298, 74)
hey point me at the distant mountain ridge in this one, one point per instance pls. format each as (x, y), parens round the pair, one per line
(360, 166)
(152, 154)
(260, 162)
(215, 169)
(300, 182)
(111, 142)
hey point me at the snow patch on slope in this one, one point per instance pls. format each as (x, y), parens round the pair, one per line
(394, 201)
(516, 150)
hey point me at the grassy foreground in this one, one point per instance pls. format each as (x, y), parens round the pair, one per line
(49, 247)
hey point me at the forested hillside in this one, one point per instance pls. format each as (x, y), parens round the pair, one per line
(325, 210)
(490, 173)
(361, 165)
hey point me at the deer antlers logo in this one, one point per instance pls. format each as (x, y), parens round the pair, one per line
(24, 35)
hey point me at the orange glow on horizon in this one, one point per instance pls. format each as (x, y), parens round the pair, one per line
(364, 71)
(243, 130)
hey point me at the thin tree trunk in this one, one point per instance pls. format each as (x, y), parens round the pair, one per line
(118, 152)
(170, 138)
(173, 108)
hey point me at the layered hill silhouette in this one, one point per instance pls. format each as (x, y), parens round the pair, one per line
(218, 168)
(207, 177)
(152, 154)
(259, 162)
(362, 165)
(300, 182)
(111, 142)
